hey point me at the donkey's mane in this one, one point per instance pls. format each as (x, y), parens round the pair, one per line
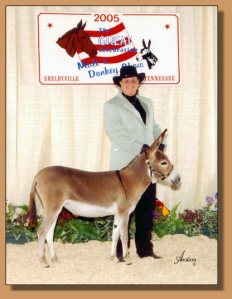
(131, 161)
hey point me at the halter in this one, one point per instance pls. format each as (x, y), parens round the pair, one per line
(153, 171)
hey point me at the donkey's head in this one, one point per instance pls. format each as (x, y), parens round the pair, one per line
(159, 165)
(146, 54)
(144, 51)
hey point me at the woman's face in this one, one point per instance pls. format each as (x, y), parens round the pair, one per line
(129, 86)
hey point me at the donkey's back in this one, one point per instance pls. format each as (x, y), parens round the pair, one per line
(59, 184)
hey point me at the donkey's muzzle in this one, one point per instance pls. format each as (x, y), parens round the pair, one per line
(175, 181)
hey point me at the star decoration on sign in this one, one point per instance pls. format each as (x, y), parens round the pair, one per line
(50, 25)
(167, 26)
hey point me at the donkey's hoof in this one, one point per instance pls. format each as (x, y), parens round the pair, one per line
(44, 262)
(114, 258)
(127, 260)
(55, 260)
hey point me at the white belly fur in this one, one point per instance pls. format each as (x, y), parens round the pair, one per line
(87, 210)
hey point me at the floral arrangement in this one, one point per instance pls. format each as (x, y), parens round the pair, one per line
(17, 223)
(202, 221)
(73, 228)
(160, 210)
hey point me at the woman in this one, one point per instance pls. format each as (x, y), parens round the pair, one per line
(131, 127)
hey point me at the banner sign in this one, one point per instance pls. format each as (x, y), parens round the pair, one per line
(90, 48)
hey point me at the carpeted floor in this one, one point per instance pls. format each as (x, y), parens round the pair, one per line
(90, 264)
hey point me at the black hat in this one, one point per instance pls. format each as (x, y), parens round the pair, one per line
(128, 72)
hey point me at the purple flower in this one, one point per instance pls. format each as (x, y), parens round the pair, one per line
(216, 196)
(155, 214)
(209, 200)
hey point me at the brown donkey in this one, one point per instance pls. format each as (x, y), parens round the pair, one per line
(97, 194)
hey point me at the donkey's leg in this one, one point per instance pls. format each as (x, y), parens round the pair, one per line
(115, 238)
(49, 239)
(42, 231)
(123, 225)
(44, 228)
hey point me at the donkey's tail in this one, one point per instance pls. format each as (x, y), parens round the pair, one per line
(32, 206)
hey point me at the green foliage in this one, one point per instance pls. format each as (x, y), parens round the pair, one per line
(168, 225)
(203, 222)
(74, 229)
(191, 223)
(104, 227)
(16, 223)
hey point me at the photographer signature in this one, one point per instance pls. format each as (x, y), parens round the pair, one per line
(181, 258)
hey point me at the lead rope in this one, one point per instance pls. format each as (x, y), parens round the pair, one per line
(152, 171)
(120, 179)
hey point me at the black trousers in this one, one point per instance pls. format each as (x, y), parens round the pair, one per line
(143, 222)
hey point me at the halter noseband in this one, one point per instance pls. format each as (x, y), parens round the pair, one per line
(153, 171)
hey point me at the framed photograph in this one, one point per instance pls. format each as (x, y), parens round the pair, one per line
(90, 92)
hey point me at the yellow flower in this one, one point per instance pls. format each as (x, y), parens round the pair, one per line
(165, 211)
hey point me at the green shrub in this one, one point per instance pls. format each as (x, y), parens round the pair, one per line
(73, 229)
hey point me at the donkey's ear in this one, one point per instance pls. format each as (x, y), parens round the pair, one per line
(149, 44)
(144, 44)
(83, 26)
(155, 145)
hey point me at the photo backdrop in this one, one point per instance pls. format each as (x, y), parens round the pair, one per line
(63, 125)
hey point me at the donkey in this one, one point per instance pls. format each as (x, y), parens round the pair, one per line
(146, 54)
(75, 39)
(97, 194)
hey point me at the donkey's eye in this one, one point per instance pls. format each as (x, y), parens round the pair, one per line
(164, 163)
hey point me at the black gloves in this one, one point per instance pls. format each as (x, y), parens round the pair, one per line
(145, 147)
(162, 147)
